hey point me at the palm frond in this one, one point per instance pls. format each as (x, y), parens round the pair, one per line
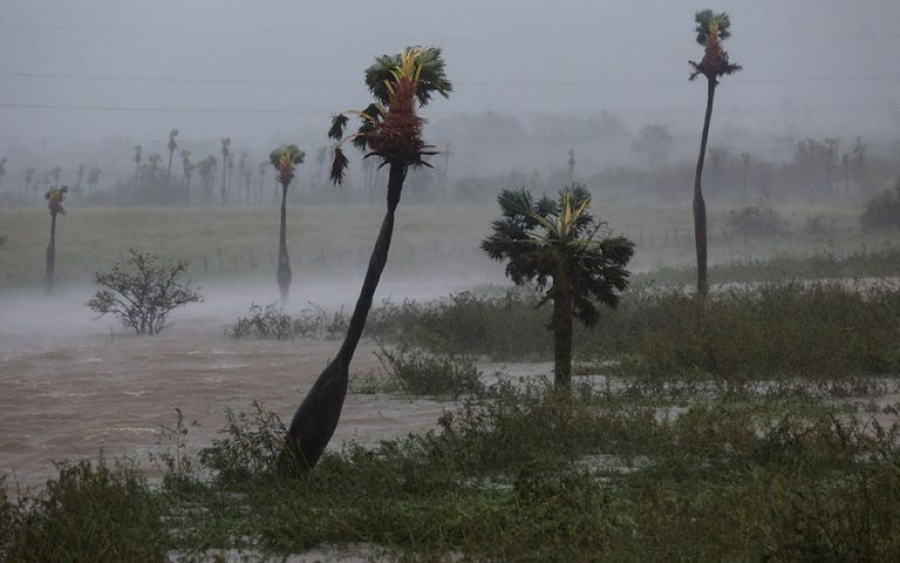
(338, 166)
(338, 123)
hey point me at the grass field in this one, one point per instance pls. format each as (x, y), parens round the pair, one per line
(223, 243)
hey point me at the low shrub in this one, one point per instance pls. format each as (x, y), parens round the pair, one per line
(274, 322)
(755, 220)
(419, 373)
(883, 211)
(253, 447)
(89, 512)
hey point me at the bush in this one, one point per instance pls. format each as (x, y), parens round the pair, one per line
(755, 220)
(253, 447)
(883, 211)
(274, 322)
(91, 513)
(423, 374)
(142, 292)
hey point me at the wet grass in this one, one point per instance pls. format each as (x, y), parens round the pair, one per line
(521, 474)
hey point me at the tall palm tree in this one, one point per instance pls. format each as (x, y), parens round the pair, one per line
(711, 29)
(54, 197)
(560, 240)
(2, 169)
(226, 152)
(392, 132)
(285, 159)
(173, 144)
(188, 168)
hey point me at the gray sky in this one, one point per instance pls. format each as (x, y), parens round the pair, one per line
(271, 70)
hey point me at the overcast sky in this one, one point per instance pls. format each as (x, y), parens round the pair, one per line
(269, 69)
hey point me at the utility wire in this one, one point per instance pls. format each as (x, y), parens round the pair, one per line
(252, 81)
(628, 111)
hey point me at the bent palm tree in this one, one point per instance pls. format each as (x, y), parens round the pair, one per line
(711, 30)
(54, 197)
(558, 240)
(284, 159)
(392, 131)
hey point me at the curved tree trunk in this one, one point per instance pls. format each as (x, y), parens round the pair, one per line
(700, 205)
(563, 315)
(317, 417)
(283, 275)
(50, 267)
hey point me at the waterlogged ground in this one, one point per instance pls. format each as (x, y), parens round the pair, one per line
(71, 385)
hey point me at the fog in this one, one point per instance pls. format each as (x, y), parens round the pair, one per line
(83, 82)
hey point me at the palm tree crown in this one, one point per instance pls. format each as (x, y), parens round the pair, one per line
(55, 197)
(712, 29)
(559, 240)
(390, 128)
(284, 159)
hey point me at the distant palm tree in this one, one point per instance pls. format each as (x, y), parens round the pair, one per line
(560, 240)
(188, 168)
(392, 132)
(263, 166)
(2, 169)
(137, 166)
(226, 152)
(173, 144)
(242, 167)
(54, 197)
(29, 177)
(285, 159)
(93, 178)
(77, 188)
(207, 170)
(711, 30)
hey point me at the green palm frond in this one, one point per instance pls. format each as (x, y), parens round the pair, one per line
(339, 166)
(338, 123)
(432, 77)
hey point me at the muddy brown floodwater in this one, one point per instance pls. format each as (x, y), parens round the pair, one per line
(71, 385)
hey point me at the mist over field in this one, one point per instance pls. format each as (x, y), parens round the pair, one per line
(85, 82)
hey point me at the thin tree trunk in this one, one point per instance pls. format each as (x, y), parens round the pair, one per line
(187, 190)
(284, 262)
(169, 170)
(700, 205)
(563, 309)
(317, 417)
(50, 267)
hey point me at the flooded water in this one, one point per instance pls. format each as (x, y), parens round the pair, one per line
(72, 385)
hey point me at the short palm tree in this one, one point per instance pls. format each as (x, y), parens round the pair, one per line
(54, 197)
(559, 243)
(711, 30)
(285, 159)
(390, 131)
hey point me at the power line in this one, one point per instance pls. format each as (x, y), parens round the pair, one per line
(281, 82)
(623, 111)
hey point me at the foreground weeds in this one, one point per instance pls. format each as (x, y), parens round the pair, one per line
(519, 474)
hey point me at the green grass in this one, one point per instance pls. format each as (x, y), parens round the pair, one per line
(223, 243)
